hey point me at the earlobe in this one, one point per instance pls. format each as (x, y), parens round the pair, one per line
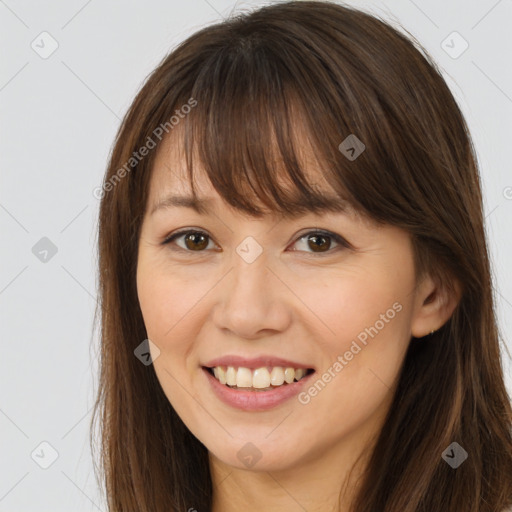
(434, 306)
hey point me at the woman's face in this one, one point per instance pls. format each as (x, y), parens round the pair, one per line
(270, 294)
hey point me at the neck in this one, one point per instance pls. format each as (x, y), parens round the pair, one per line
(325, 482)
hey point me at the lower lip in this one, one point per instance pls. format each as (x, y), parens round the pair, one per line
(255, 400)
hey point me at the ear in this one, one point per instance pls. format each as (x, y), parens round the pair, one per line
(434, 304)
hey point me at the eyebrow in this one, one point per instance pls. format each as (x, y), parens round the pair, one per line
(203, 205)
(200, 205)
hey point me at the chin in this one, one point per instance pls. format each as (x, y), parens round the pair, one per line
(252, 455)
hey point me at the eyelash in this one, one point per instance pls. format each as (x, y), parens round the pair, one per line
(342, 243)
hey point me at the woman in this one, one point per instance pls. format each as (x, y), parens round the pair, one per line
(297, 311)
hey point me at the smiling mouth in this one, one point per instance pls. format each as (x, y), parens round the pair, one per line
(259, 379)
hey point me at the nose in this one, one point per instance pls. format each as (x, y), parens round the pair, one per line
(253, 301)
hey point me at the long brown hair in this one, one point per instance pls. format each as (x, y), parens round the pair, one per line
(248, 82)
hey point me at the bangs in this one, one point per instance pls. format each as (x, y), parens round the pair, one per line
(262, 147)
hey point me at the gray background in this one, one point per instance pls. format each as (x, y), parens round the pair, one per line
(59, 115)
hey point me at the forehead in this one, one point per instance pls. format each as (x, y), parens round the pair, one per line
(169, 172)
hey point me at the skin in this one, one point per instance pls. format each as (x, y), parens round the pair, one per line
(305, 305)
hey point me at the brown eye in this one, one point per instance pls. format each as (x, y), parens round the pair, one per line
(314, 242)
(321, 242)
(194, 241)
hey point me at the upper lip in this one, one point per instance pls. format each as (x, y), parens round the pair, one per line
(254, 362)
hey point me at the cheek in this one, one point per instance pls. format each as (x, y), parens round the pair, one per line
(359, 299)
(167, 300)
(367, 320)
(170, 305)
(361, 365)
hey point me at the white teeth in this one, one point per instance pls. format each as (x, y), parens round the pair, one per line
(276, 376)
(289, 375)
(221, 375)
(299, 373)
(260, 378)
(230, 376)
(244, 378)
